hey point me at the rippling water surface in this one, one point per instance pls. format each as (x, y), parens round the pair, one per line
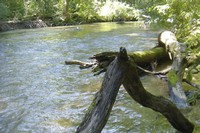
(39, 94)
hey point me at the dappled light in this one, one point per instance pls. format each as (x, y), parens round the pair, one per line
(118, 11)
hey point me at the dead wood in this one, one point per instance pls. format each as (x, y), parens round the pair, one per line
(123, 70)
(99, 111)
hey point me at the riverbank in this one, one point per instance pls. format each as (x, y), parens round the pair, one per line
(13, 25)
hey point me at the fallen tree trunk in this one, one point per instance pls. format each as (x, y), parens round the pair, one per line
(142, 59)
(123, 70)
(175, 75)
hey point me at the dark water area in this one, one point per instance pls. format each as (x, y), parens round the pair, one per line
(40, 94)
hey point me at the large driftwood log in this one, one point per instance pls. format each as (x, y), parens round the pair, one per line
(175, 75)
(123, 70)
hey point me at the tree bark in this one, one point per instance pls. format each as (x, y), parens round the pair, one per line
(160, 104)
(141, 58)
(123, 70)
(175, 75)
(99, 111)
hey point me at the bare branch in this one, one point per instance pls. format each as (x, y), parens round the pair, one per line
(81, 64)
(163, 72)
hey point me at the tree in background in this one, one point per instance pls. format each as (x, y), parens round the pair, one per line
(68, 11)
(43, 9)
(12, 9)
(4, 11)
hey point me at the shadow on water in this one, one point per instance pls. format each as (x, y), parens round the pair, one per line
(38, 93)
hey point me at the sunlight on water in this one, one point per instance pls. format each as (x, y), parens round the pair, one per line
(39, 94)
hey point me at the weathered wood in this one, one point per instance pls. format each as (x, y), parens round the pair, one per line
(141, 58)
(160, 104)
(175, 75)
(166, 39)
(163, 72)
(82, 65)
(123, 71)
(101, 106)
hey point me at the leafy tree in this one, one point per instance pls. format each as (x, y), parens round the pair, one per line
(4, 11)
(41, 8)
(12, 9)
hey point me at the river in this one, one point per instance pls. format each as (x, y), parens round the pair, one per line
(40, 94)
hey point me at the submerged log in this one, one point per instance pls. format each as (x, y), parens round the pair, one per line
(123, 70)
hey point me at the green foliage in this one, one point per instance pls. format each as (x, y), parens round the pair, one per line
(117, 11)
(41, 8)
(68, 11)
(172, 77)
(93, 10)
(183, 18)
(4, 11)
(84, 12)
(12, 9)
(186, 22)
(193, 97)
(189, 76)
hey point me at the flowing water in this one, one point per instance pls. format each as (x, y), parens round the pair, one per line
(40, 94)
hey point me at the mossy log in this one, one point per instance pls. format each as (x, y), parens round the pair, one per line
(123, 70)
(141, 58)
